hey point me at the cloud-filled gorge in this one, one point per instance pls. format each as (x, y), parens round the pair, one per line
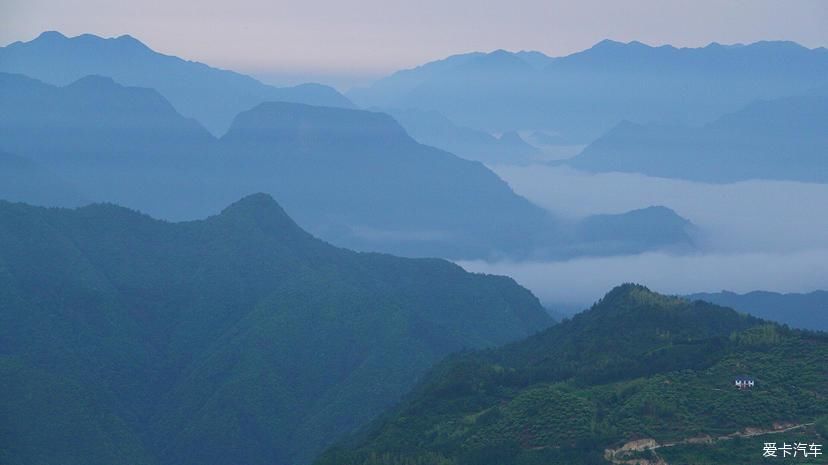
(767, 235)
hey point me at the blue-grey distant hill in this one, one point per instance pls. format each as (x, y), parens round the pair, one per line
(806, 311)
(580, 96)
(212, 96)
(784, 139)
(357, 178)
(24, 180)
(93, 118)
(352, 177)
(430, 127)
(634, 231)
(113, 143)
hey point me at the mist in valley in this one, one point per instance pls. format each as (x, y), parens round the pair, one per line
(751, 235)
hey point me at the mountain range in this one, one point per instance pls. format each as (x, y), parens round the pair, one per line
(352, 177)
(580, 96)
(159, 307)
(784, 139)
(210, 95)
(434, 129)
(805, 311)
(638, 378)
(113, 143)
(235, 339)
(24, 180)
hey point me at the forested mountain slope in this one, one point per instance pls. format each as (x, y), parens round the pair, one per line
(636, 366)
(235, 339)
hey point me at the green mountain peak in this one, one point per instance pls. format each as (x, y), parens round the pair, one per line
(637, 366)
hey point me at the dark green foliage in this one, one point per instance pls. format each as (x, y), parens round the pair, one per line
(240, 339)
(636, 365)
(822, 426)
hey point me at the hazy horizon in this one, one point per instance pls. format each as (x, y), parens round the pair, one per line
(352, 44)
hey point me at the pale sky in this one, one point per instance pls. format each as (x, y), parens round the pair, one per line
(359, 39)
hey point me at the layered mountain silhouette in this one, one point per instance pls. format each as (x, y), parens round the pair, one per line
(235, 339)
(582, 95)
(351, 177)
(113, 143)
(805, 311)
(212, 96)
(432, 128)
(783, 139)
(93, 119)
(360, 172)
(24, 180)
(637, 366)
(167, 322)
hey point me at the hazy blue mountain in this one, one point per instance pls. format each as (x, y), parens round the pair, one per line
(212, 96)
(356, 178)
(388, 90)
(432, 128)
(820, 90)
(637, 366)
(91, 119)
(352, 177)
(635, 231)
(113, 143)
(24, 180)
(403, 81)
(535, 59)
(806, 311)
(785, 138)
(585, 94)
(544, 138)
(468, 83)
(237, 339)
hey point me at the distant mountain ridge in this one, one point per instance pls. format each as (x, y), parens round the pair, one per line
(584, 94)
(784, 139)
(212, 96)
(432, 128)
(382, 188)
(113, 143)
(352, 177)
(798, 310)
(24, 180)
(91, 117)
(239, 338)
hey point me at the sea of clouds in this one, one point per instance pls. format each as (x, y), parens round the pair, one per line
(755, 235)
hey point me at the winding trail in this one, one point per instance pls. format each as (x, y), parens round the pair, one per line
(616, 456)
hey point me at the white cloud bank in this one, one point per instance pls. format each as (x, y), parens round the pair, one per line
(765, 235)
(582, 281)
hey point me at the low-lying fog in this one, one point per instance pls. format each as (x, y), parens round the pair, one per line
(767, 235)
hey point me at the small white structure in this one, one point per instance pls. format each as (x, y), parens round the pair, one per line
(744, 382)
